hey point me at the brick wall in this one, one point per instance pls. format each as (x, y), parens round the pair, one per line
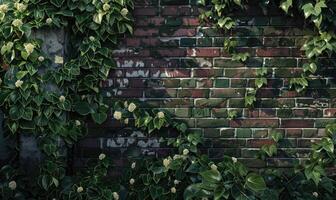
(175, 63)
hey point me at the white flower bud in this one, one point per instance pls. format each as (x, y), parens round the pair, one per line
(80, 189)
(91, 38)
(115, 196)
(124, 12)
(20, 7)
(106, 7)
(12, 185)
(185, 152)
(166, 162)
(3, 8)
(117, 115)
(315, 194)
(61, 98)
(176, 182)
(131, 107)
(131, 181)
(214, 167)
(102, 156)
(78, 123)
(133, 165)
(41, 58)
(49, 20)
(29, 47)
(173, 190)
(59, 60)
(17, 23)
(126, 121)
(160, 115)
(234, 160)
(18, 83)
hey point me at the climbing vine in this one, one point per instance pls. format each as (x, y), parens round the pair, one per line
(319, 14)
(52, 96)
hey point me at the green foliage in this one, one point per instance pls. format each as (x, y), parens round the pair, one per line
(94, 27)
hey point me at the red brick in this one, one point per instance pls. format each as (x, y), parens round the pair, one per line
(203, 52)
(255, 123)
(152, 21)
(297, 123)
(330, 112)
(175, 10)
(171, 52)
(187, 21)
(171, 73)
(273, 52)
(207, 72)
(148, 11)
(146, 32)
(257, 143)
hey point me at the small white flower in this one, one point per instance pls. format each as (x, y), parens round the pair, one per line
(3, 8)
(12, 185)
(18, 83)
(133, 165)
(117, 115)
(131, 181)
(102, 156)
(131, 107)
(78, 123)
(234, 159)
(80, 189)
(91, 38)
(17, 23)
(126, 104)
(59, 60)
(176, 156)
(185, 152)
(315, 194)
(166, 162)
(61, 98)
(176, 182)
(160, 115)
(214, 167)
(115, 195)
(124, 12)
(20, 7)
(126, 121)
(49, 20)
(41, 58)
(29, 47)
(106, 7)
(173, 190)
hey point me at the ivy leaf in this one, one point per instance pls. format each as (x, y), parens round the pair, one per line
(286, 4)
(310, 67)
(99, 118)
(255, 182)
(15, 113)
(98, 17)
(318, 7)
(308, 9)
(260, 82)
(21, 74)
(211, 176)
(238, 2)
(57, 3)
(83, 108)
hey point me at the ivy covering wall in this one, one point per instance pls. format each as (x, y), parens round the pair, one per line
(200, 90)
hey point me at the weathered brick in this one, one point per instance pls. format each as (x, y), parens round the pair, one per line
(212, 123)
(257, 123)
